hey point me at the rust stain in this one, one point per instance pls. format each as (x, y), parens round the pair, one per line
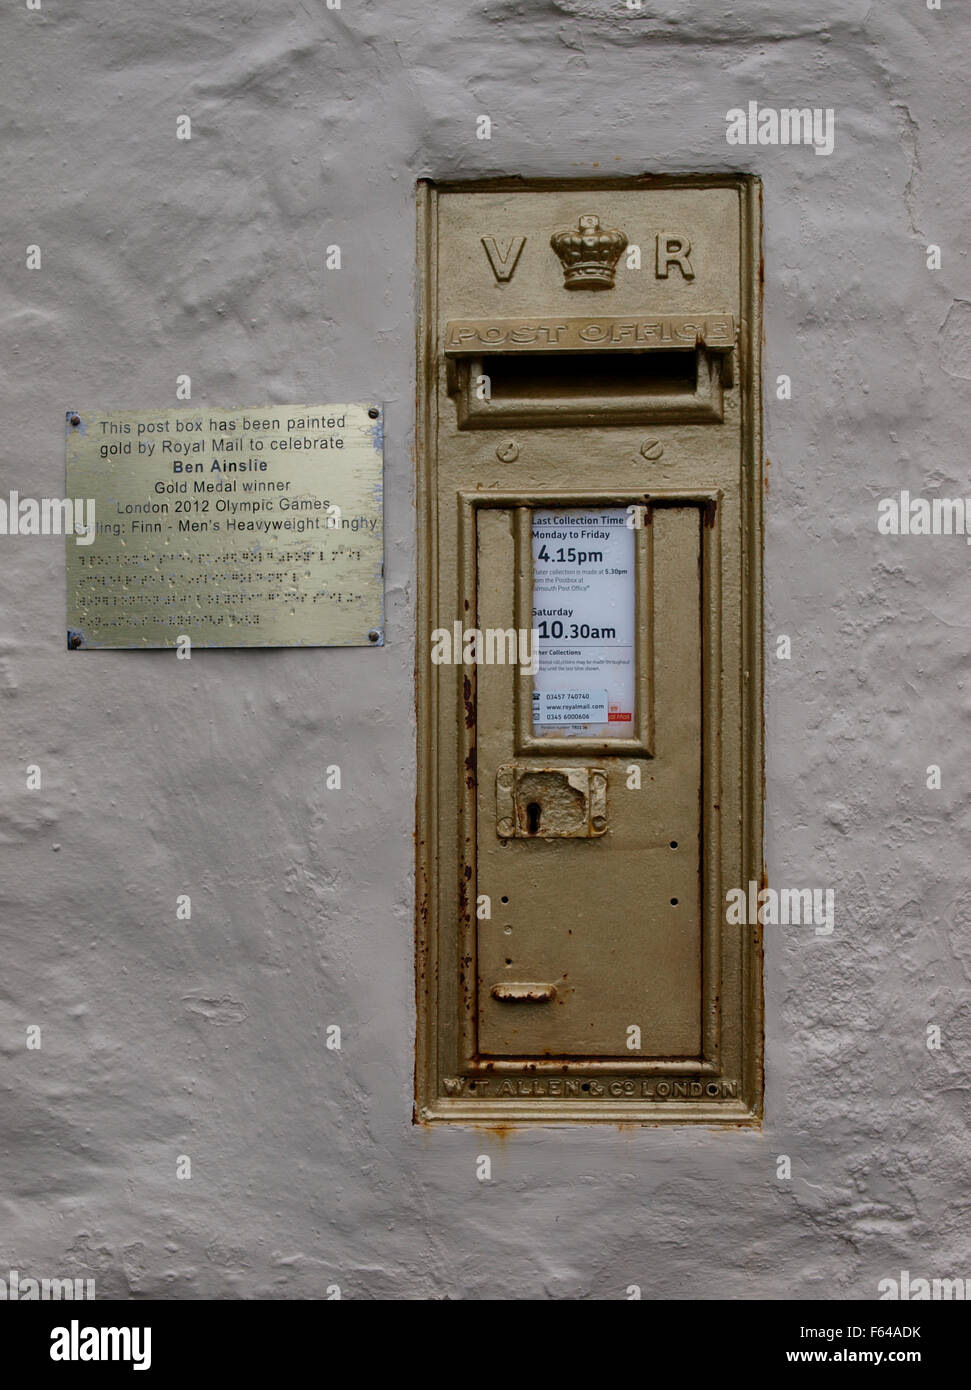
(500, 1132)
(524, 994)
(469, 701)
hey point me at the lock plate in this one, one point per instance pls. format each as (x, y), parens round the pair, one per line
(550, 803)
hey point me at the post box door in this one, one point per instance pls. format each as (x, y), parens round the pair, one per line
(593, 933)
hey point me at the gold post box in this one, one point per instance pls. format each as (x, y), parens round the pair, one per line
(589, 651)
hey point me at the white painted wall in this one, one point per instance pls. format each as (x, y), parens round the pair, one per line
(161, 1038)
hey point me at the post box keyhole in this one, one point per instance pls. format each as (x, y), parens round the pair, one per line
(550, 803)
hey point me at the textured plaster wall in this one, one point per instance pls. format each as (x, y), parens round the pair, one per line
(160, 1038)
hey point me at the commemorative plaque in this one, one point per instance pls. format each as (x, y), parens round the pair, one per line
(233, 528)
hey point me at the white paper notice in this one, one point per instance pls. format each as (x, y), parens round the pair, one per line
(583, 611)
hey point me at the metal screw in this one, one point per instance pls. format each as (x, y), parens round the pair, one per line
(374, 635)
(508, 452)
(75, 420)
(652, 449)
(74, 641)
(374, 412)
(505, 828)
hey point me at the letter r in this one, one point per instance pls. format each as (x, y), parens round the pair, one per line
(673, 249)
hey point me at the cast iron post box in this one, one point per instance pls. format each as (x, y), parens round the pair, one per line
(589, 651)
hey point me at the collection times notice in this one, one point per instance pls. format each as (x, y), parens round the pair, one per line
(234, 528)
(584, 618)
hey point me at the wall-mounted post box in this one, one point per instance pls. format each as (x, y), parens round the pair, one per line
(589, 651)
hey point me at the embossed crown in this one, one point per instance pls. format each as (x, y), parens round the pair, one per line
(589, 253)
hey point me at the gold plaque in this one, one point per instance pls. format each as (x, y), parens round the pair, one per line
(233, 528)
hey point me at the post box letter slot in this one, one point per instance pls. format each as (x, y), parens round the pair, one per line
(504, 390)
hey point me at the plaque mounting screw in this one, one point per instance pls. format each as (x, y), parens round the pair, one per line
(374, 412)
(508, 451)
(374, 635)
(652, 449)
(75, 420)
(74, 641)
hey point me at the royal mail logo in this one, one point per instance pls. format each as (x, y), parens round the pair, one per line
(588, 253)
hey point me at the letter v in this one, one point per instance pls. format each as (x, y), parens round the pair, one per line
(503, 262)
